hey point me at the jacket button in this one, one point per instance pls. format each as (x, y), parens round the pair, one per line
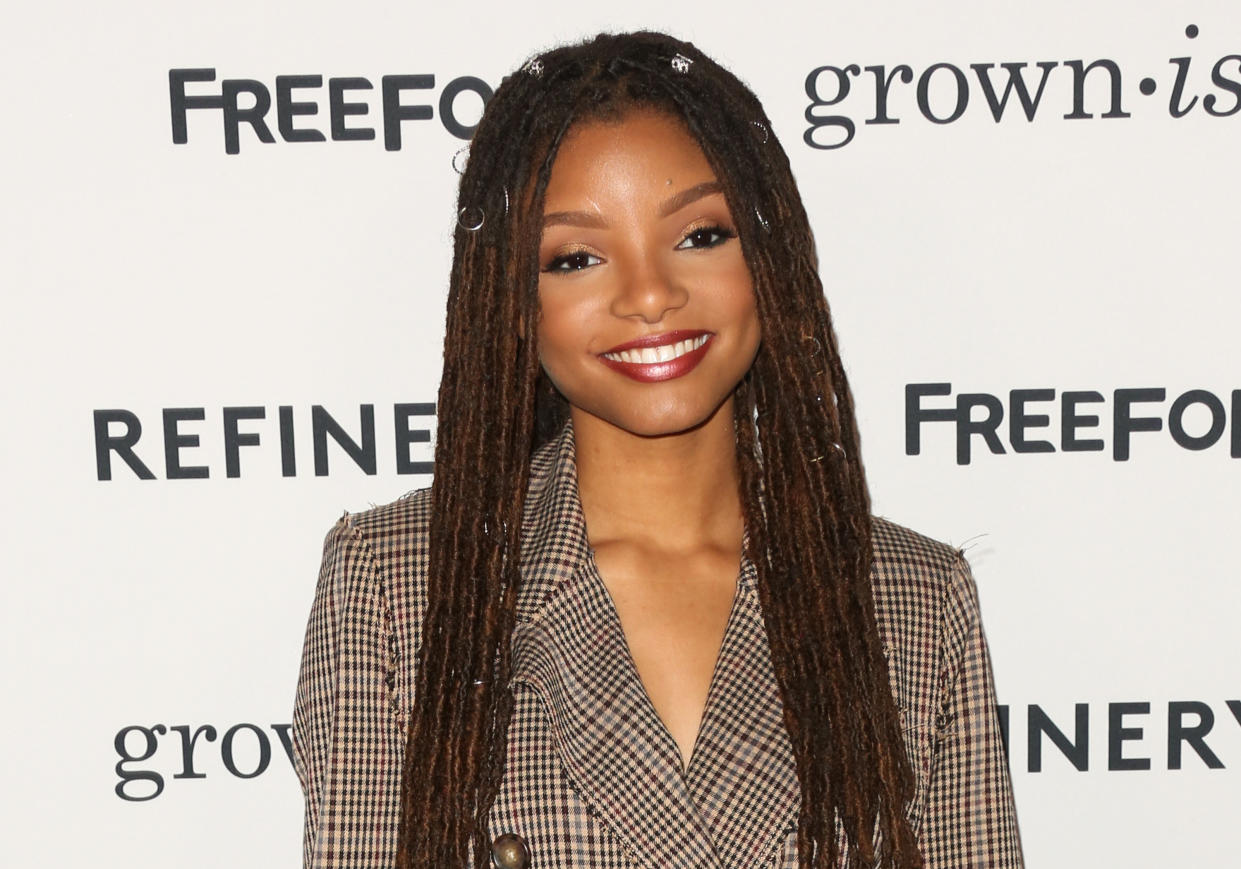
(509, 851)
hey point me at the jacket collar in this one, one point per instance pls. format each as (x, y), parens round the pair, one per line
(739, 796)
(554, 546)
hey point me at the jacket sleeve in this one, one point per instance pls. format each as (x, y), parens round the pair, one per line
(347, 737)
(970, 819)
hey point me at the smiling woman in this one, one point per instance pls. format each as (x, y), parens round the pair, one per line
(642, 275)
(643, 617)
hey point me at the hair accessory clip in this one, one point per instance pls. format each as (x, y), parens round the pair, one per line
(534, 66)
(460, 158)
(681, 63)
(470, 218)
(506, 201)
(762, 220)
(762, 128)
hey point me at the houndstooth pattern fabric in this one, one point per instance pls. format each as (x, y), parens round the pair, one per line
(594, 780)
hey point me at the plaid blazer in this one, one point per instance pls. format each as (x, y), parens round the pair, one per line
(593, 779)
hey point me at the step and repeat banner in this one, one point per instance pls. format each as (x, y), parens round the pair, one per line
(226, 245)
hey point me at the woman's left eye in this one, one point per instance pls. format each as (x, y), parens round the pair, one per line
(706, 236)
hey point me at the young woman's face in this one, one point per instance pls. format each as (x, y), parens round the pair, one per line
(647, 314)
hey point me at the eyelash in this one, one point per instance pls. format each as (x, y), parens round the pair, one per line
(561, 263)
(722, 234)
(716, 233)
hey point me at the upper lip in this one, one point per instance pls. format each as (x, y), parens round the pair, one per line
(658, 339)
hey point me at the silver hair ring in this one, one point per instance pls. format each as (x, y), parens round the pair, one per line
(460, 158)
(762, 219)
(681, 63)
(468, 223)
(762, 127)
(534, 66)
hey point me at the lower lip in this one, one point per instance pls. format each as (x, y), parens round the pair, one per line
(653, 372)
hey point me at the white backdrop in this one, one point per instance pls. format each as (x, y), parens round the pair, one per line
(1089, 254)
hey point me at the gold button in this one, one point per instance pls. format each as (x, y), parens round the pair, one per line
(509, 851)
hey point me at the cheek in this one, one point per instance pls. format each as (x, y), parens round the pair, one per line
(559, 329)
(735, 285)
(743, 304)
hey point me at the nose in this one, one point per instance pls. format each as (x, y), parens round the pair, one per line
(648, 291)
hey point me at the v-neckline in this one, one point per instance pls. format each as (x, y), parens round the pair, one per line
(735, 797)
(687, 764)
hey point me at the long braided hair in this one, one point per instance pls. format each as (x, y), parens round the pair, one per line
(803, 491)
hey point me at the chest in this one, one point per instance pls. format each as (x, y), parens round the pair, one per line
(593, 776)
(674, 613)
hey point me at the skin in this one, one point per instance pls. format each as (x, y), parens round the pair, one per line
(637, 242)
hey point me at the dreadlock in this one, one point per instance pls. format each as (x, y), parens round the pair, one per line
(803, 491)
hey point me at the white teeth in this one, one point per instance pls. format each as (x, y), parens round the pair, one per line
(662, 353)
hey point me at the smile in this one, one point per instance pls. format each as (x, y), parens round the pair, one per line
(659, 357)
(662, 353)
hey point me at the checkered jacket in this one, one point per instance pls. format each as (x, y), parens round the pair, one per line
(594, 780)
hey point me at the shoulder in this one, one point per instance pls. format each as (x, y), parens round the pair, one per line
(924, 592)
(913, 567)
(904, 555)
(383, 551)
(926, 610)
(405, 519)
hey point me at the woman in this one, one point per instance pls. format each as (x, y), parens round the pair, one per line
(643, 617)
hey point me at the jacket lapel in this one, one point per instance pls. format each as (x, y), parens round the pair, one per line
(569, 647)
(742, 775)
(740, 791)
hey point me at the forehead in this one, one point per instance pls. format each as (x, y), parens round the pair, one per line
(643, 144)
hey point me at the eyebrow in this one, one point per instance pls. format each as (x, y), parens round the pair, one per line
(678, 201)
(670, 206)
(574, 218)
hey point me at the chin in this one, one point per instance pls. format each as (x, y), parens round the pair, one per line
(663, 422)
(658, 429)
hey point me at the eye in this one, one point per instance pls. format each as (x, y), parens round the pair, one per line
(572, 262)
(706, 237)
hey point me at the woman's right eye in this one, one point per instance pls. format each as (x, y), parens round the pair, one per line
(572, 262)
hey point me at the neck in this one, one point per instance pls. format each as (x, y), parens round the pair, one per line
(675, 491)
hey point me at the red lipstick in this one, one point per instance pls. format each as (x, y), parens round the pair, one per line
(694, 344)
